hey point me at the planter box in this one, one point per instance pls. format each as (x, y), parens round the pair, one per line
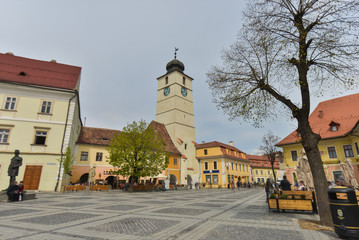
(291, 204)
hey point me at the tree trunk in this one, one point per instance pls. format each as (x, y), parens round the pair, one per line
(310, 143)
(275, 177)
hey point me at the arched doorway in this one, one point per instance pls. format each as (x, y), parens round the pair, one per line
(84, 178)
(110, 180)
(189, 181)
(173, 179)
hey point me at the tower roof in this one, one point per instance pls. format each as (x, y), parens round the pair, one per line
(175, 64)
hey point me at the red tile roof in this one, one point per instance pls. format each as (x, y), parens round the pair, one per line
(161, 129)
(343, 111)
(261, 161)
(96, 136)
(35, 72)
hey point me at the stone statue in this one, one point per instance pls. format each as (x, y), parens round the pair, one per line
(13, 170)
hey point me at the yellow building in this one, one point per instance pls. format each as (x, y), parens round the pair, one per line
(221, 163)
(262, 168)
(39, 116)
(91, 158)
(337, 122)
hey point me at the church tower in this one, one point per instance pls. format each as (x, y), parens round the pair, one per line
(175, 111)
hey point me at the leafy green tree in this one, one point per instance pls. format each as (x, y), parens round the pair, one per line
(67, 161)
(138, 151)
(286, 51)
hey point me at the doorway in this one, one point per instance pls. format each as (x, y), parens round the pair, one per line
(32, 177)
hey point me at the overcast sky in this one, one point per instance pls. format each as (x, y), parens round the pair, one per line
(123, 46)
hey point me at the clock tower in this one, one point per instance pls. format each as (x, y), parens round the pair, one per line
(175, 111)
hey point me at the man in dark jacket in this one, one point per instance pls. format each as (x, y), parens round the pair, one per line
(13, 192)
(285, 184)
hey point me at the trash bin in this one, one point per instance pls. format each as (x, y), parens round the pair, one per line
(345, 211)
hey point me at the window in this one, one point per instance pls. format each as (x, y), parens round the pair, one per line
(261, 172)
(10, 103)
(184, 81)
(337, 175)
(215, 179)
(205, 152)
(334, 128)
(4, 135)
(294, 155)
(256, 172)
(236, 166)
(232, 165)
(166, 80)
(99, 156)
(205, 165)
(269, 172)
(214, 165)
(240, 167)
(332, 153)
(46, 107)
(357, 148)
(84, 156)
(247, 168)
(208, 178)
(185, 146)
(40, 137)
(348, 151)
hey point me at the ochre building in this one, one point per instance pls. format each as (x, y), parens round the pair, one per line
(221, 164)
(337, 122)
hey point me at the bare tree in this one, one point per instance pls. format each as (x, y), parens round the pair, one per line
(286, 51)
(270, 150)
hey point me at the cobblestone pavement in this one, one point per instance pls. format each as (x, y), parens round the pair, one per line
(187, 214)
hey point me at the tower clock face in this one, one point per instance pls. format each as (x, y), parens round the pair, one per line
(166, 91)
(184, 91)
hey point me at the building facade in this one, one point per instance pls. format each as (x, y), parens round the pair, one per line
(337, 122)
(221, 164)
(175, 111)
(39, 116)
(91, 165)
(262, 168)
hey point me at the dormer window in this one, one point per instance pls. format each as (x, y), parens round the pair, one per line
(334, 126)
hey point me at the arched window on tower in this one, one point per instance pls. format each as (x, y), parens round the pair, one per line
(184, 81)
(166, 80)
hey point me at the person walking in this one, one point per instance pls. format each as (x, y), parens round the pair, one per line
(269, 188)
(232, 186)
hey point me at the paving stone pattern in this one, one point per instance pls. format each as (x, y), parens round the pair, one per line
(182, 214)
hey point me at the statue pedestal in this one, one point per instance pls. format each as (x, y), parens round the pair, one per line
(26, 196)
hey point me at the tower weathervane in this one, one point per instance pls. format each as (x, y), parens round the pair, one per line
(176, 49)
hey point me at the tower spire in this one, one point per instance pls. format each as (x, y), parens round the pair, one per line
(176, 49)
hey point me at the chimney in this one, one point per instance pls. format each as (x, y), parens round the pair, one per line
(321, 114)
(231, 143)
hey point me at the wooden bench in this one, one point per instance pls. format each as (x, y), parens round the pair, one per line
(293, 200)
(75, 187)
(99, 187)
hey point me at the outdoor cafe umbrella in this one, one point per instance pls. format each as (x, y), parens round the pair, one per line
(348, 173)
(303, 171)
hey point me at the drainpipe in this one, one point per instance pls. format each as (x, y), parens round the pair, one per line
(63, 140)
